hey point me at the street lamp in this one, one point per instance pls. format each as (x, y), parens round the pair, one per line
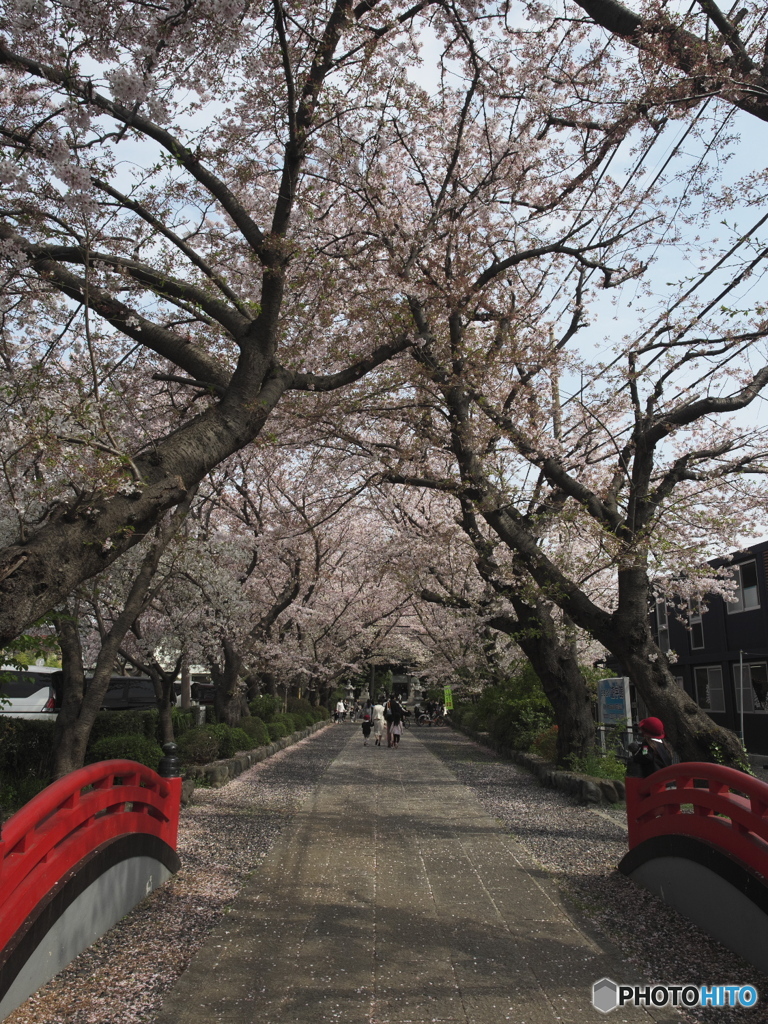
(741, 696)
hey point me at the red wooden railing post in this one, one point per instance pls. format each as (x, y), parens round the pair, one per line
(633, 788)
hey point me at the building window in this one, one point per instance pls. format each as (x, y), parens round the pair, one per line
(752, 688)
(696, 626)
(747, 595)
(708, 680)
(662, 624)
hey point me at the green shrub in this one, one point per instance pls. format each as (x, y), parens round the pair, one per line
(265, 707)
(132, 746)
(182, 721)
(459, 713)
(226, 741)
(199, 745)
(519, 723)
(545, 744)
(15, 792)
(277, 730)
(321, 714)
(303, 711)
(286, 722)
(240, 740)
(300, 704)
(231, 739)
(26, 749)
(602, 766)
(256, 730)
(471, 720)
(126, 723)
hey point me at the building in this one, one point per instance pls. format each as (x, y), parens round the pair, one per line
(721, 651)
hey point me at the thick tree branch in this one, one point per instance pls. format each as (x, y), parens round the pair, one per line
(739, 79)
(332, 381)
(690, 412)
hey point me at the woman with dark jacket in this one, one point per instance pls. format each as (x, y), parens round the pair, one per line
(653, 752)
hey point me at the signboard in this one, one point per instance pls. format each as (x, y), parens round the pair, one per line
(613, 700)
(448, 698)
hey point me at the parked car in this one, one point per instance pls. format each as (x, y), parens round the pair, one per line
(203, 693)
(129, 693)
(31, 693)
(37, 693)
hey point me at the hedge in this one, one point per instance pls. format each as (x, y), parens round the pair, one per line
(131, 746)
(199, 745)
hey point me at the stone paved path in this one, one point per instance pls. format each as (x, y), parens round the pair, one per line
(392, 898)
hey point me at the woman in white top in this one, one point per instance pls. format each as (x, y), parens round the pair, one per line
(377, 721)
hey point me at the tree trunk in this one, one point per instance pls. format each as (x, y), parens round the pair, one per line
(226, 677)
(163, 683)
(68, 741)
(186, 683)
(567, 692)
(81, 542)
(252, 685)
(555, 662)
(693, 734)
(74, 726)
(627, 635)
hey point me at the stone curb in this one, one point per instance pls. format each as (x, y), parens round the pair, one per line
(219, 773)
(585, 789)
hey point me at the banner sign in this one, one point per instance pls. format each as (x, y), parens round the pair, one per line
(613, 700)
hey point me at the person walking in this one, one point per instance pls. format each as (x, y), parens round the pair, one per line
(398, 714)
(340, 710)
(396, 731)
(377, 722)
(367, 724)
(388, 720)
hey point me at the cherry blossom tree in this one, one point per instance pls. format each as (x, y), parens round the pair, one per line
(644, 476)
(165, 222)
(449, 558)
(641, 459)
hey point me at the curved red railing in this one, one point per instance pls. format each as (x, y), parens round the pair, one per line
(726, 808)
(73, 817)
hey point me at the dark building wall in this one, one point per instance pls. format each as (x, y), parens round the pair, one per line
(732, 637)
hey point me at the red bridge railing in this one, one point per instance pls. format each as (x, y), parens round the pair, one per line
(718, 805)
(69, 820)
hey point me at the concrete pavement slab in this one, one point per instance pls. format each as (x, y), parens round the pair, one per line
(393, 898)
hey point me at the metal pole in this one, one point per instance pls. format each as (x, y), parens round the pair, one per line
(741, 694)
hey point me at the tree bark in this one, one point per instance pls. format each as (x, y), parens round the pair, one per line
(66, 741)
(227, 702)
(74, 726)
(555, 662)
(186, 683)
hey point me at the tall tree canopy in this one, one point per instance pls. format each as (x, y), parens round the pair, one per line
(208, 206)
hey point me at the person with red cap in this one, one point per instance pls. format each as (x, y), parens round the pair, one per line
(653, 752)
